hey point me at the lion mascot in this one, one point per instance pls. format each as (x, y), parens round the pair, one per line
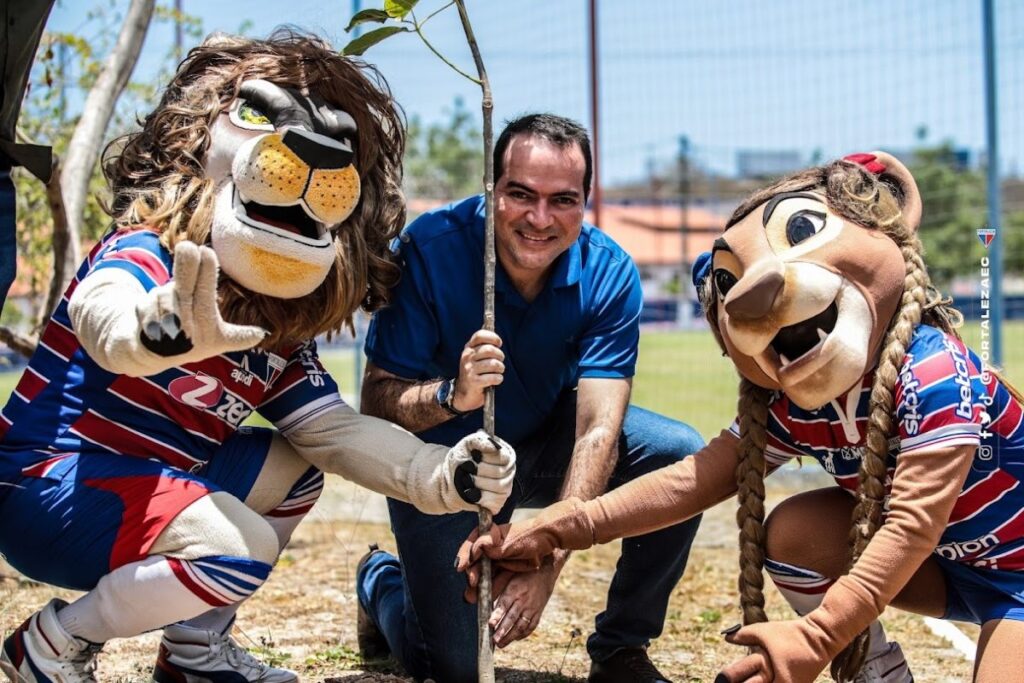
(818, 293)
(252, 213)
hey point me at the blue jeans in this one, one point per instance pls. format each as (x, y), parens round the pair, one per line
(418, 605)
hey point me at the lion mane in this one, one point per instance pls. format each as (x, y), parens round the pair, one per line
(157, 178)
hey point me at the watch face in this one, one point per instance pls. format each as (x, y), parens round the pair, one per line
(444, 393)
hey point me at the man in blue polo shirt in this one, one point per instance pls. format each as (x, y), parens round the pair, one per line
(562, 359)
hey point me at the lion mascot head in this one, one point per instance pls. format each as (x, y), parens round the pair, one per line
(817, 282)
(285, 157)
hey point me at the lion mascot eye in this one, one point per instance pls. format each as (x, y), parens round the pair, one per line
(251, 115)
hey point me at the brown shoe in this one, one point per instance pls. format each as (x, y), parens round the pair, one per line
(627, 665)
(372, 643)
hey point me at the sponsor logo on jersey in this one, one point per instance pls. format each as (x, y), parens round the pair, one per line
(851, 452)
(314, 373)
(242, 374)
(964, 408)
(911, 399)
(198, 390)
(233, 410)
(961, 549)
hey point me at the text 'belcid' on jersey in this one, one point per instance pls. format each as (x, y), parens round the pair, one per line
(943, 398)
(65, 402)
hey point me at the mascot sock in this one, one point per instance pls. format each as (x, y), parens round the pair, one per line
(804, 590)
(157, 591)
(293, 509)
(283, 520)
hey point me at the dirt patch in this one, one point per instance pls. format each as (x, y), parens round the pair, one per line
(304, 617)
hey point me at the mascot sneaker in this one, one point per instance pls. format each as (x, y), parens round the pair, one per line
(888, 667)
(192, 655)
(41, 651)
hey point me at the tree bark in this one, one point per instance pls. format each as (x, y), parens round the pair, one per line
(84, 148)
(485, 649)
(61, 242)
(18, 342)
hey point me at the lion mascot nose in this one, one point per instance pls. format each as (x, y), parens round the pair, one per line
(317, 151)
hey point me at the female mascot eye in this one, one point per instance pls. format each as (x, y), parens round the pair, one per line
(804, 224)
(250, 114)
(724, 280)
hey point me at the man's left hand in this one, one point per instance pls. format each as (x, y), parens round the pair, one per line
(518, 608)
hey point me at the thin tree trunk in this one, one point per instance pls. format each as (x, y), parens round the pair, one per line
(18, 342)
(84, 148)
(61, 241)
(485, 650)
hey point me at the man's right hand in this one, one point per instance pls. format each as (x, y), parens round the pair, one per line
(481, 365)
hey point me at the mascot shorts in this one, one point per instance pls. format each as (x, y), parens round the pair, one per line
(978, 595)
(68, 519)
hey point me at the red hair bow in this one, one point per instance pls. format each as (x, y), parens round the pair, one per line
(869, 161)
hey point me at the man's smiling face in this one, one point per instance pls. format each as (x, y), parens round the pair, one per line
(539, 202)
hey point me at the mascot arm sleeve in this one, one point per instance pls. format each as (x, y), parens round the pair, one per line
(925, 488)
(669, 495)
(378, 455)
(103, 314)
(924, 491)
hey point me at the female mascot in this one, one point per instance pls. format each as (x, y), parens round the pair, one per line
(252, 212)
(847, 354)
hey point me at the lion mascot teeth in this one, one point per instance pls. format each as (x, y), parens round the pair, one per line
(252, 213)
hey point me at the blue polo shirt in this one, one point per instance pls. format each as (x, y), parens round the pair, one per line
(585, 322)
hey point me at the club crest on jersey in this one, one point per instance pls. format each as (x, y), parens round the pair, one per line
(198, 390)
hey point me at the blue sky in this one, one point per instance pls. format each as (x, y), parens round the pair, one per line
(785, 75)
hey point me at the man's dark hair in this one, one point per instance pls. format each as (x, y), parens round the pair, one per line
(557, 130)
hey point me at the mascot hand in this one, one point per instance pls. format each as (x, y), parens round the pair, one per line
(182, 316)
(754, 668)
(523, 546)
(795, 651)
(481, 469)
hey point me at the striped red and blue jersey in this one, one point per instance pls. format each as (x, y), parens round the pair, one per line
(943, 397)
(65, 402)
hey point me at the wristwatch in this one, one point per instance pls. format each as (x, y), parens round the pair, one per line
(445, 398)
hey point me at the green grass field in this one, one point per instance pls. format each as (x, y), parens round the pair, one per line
(681, 374)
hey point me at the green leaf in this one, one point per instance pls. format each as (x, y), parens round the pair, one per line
(397, 9)
(364, 42)
(377, 16)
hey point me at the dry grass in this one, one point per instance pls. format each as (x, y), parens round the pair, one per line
(304, 617)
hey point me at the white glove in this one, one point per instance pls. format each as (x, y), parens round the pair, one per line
(481, 469)
(182, 316)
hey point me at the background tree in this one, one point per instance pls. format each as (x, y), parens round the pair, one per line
(954, 210)
(55, 220)
(444, 160)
